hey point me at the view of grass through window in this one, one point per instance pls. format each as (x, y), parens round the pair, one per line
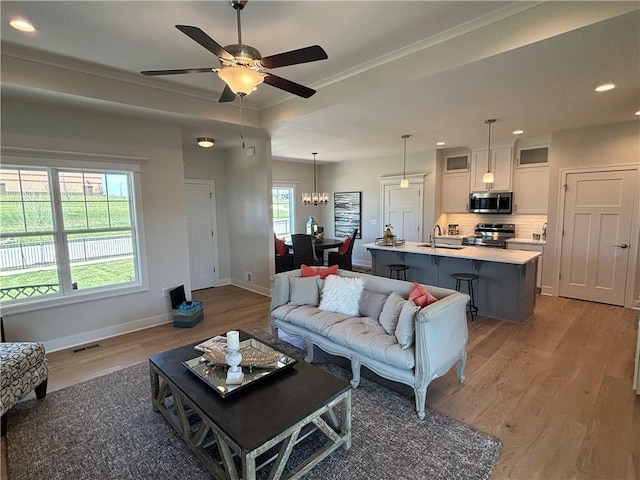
(95, 231)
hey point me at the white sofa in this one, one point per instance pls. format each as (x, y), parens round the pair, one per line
(438, 343)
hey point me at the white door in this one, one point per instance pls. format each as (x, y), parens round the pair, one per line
(597, 233)
(200, 226)
(402, 209)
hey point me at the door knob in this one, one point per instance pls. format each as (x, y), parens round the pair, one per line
(624, 245)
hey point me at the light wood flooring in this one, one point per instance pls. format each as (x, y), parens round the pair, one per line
(557, 391)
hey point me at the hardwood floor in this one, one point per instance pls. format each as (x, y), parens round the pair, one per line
(557, 391)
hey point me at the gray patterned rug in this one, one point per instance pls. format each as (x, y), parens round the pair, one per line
(105, 428)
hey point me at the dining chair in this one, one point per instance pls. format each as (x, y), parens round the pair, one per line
(303, 250)
(343, 260)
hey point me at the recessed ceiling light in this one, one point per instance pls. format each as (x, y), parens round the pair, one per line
(518, 132)
(440, 144)
(605, 87)
(638, 112)
(22, 25)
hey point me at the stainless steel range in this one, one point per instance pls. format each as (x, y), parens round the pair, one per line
(491, 235)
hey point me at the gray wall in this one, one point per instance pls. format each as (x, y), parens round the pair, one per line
(47, 126)
(605, 145)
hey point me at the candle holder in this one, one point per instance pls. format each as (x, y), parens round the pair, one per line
(235, 376)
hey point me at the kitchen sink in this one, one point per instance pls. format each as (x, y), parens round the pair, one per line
(444, 245)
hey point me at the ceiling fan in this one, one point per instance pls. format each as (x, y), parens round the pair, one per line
(242, 67)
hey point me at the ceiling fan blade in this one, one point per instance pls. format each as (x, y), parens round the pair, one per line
(175, 72)
(288, 85)
(227, 95)
(294, 57)
(206, 41)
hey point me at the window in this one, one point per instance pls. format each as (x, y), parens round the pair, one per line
(282, 203)
(66, 231)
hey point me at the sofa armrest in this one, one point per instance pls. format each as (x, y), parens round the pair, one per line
(441, 336)
(280, 288)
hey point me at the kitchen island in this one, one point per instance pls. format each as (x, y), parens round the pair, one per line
(505, 290)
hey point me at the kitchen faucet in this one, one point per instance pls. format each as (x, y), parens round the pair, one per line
(432, 236)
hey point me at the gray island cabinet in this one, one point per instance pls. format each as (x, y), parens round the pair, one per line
(505, 290)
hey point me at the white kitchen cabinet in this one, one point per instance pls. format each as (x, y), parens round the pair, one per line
(457, 162)
(531, 247)
(455, 192)
(501, 167)
(531, 190)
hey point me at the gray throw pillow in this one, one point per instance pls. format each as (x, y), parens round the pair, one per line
(304, 291)
(391, 312)
(371, 303)
(406, 324)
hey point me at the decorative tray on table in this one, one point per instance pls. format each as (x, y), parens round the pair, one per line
(259, 361)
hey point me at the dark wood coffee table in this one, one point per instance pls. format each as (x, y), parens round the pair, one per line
(258, 427)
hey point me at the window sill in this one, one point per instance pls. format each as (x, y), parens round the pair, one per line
(80, 297)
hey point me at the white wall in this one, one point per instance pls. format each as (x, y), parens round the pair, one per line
(48, 126)
(362, 175)
(211, 164)
(604, 145)
(249, 211)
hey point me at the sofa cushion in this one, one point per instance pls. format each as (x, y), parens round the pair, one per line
(406, 324)
(391, 312)
(304, 291)
(342, 294)
(371, 303)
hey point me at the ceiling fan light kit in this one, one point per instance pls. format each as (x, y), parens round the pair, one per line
(242, 67)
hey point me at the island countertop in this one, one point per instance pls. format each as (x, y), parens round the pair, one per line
(486, 254)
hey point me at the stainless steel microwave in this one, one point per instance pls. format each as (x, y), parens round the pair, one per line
(490, 202)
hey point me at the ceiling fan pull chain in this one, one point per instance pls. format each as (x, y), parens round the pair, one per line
(241, 121)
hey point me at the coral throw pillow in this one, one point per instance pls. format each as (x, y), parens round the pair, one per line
(323, 272)
(281, 248)
(421, 296)
(344, 246)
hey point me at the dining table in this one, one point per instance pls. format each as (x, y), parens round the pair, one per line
(320, 245)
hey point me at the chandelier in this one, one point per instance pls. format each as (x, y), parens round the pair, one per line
(315, 198)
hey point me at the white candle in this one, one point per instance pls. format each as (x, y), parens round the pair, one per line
(233, 340)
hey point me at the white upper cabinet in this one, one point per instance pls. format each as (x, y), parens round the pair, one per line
(501, 167)
(455, 192)
(457, 162)
(531, 192)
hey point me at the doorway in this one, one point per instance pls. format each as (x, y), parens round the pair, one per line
(402, 207)
(202, 235)
(598, 222)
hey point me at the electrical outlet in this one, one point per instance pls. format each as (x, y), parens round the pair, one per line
(248, 277)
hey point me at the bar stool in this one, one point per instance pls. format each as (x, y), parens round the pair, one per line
(397, 268)
(469, 278)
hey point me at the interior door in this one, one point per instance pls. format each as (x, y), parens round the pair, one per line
(201, 233)
(402, 210)
(597, 235)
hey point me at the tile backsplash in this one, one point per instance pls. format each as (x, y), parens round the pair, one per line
(526, 225)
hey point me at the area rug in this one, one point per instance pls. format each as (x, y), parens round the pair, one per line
(105, 428)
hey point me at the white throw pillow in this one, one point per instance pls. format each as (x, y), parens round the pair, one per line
(391, 312)
(342, 294)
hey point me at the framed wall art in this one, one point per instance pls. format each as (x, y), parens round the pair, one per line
(347, 213)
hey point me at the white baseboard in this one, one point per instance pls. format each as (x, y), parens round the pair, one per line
(547, 291)
(361, 263)
(252, 287)
(108, 332)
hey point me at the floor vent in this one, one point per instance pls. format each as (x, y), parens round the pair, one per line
(82, 349)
